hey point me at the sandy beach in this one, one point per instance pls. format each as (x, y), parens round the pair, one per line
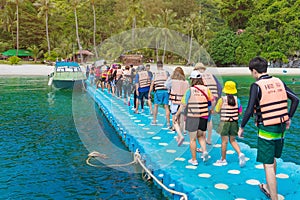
(45, 70)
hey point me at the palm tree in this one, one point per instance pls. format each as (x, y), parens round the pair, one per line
(36, 53)
(44, 6)
(134, 10)
(75, 4)
(17, 2)
(190, 24)
(94, 32)
(166, 21)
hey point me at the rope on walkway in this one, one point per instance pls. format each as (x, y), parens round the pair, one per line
(137, 159)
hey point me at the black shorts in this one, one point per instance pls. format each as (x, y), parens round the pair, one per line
(195, 123)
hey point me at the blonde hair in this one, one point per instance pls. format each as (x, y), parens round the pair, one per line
(178, 74)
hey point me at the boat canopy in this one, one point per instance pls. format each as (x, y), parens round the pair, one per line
(66, 64)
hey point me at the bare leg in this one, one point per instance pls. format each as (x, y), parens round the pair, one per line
(137, 105)
(193, 146)
(167, 114)
(224, 146)
(176, 125)
(155, 112)
(201, 140)
(270, 170)
(150, 106)
(235, 145)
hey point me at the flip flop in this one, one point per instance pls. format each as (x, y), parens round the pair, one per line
(180, 141)
(209, 143)
(199, 150)
(263, 190)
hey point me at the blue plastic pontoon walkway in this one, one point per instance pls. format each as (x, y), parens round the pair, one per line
(169, 162)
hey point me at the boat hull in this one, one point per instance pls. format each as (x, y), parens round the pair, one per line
(68, 84)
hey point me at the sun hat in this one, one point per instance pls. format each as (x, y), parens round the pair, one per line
(199, 65)
(230, 87)
(195, 74)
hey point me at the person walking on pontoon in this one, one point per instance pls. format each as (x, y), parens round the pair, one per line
(197, 99)
(161, 94)
(268, 100)
(229, 107)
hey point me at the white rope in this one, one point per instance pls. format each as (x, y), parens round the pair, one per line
(137, 159)
(95, 154)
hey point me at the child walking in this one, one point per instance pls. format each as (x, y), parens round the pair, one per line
(229, 107)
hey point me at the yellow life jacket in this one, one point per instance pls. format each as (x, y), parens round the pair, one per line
(144, 79)
(198, 103)
(273, 104)
(104, 71)
(160, 78)
(229, 113)
(210, 82)
(178, 89)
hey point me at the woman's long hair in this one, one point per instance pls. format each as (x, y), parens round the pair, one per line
(178, 74)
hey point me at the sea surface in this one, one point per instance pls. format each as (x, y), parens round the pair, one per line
(43, 156)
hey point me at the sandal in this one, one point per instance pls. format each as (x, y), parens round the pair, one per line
(180, 141)
(263, 190)
(199, 150)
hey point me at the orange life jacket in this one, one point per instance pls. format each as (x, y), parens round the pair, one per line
(144, 79)
(160, 78)
(178, 89)
(198, 102)
(229, 113)
(210, 82)
(273, 104)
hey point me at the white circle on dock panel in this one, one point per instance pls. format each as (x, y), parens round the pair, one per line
(171, 151)
(141, 124)
(253, 182)
(146, 128)
(230, 152)
(204, 175)
(234, 171)
(191, 167)
(150, 132)
(163, 144)
(217, 145)
(180, 159)
(156, 138)
(221, 186)
(283, 176)
(138, 120)
(260, 166)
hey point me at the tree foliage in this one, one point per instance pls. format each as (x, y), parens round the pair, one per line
(232, 31)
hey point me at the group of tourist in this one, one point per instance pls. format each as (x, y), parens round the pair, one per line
(191, 104)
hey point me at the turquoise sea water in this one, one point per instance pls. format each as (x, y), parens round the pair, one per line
(44, 158)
